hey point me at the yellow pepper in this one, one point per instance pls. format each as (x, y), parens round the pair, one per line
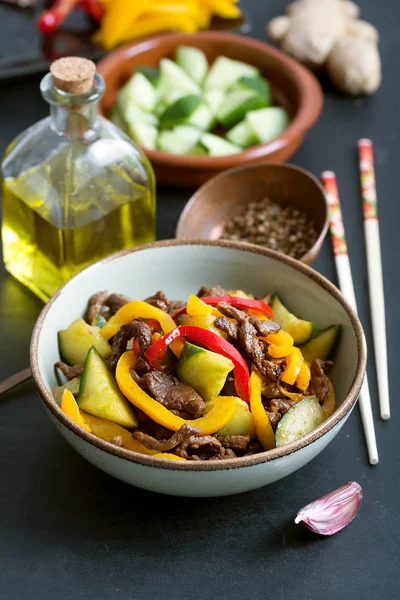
(281, 344)
(71, 409)
(168, 455)
(293, 396)
(223, 8)
(294, 360)
(118, 20)
(303, 378)
(264, 430)
(195, 307)
(136, 310)
(218, 417)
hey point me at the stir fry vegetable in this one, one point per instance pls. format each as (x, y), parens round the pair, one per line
(184, 392)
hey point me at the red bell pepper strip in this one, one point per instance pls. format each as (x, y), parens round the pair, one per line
(242, 303)
(211, 341)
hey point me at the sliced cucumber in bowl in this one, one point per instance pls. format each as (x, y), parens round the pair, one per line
(242, 135)
(299, 420)
(193, 61)
(181, 140)
(216, 146)
(236, 105)
(321, 345)
(225, 72)
(180, 111)
(268, 123)
(174, 80)
(300, 330)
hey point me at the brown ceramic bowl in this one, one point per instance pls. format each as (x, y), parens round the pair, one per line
(227, 194)
(294, 87)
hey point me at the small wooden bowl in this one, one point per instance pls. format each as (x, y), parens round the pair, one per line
(294, 87)
(227, 195)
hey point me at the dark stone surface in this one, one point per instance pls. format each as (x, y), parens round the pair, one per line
(68, 531)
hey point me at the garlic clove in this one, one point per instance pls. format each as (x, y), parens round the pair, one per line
(332, 512)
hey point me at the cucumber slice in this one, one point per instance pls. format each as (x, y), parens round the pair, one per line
(202, 118)
(72, 386)
(138, 90)
(198, 150)
(259, 85)
(98, 321)
(193, 61)
(301, 331)
(242, 135)
(299, 420)
(236, 105)
(75, 342)
(99, 394)
(225, 72)
(132, 115)
(160, 108)
(144, 134)
(180, 111)
(152, 74)
(268, 123)
(217, 146)
(214, 99)
(180, 140)
(321, 345)
(174, 80)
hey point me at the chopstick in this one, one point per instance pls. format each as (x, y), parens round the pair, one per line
(374, 263)
(14, 380)
(346, 285)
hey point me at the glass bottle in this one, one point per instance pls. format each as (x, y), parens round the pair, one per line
(75, 187)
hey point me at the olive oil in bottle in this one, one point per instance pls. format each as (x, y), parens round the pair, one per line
(75, 188)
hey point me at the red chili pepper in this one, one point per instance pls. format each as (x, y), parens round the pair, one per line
(211, 341)
(51, 19)
(234, 301)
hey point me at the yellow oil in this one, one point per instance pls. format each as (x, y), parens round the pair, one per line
(44, 244)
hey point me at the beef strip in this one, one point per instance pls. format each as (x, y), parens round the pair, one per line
(235, 442)
(96, 303)
(269, 388)
(154, 430)
(227, 326)
(254, 447)
(179, 437)
(69, 371)
(173, 394)
(115, 302)
(229, 388)
(205, 447)
(159, 300)
(319, 382)
(137, 329)
(262, 327)
(211, 291)
(175, 305)
(276, 409)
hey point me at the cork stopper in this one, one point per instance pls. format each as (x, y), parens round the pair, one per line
(73, 75)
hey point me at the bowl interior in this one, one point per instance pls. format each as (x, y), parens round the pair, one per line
(119, 66)
(228, 194)
(181, 268)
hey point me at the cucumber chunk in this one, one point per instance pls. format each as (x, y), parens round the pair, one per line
(138, 90)
(301, 331)
(204, 370)
(259, 85)
(236, 105)
(268, 123)
(321, 345)
(174, 80)
(180, 111)
(144, 134)
(72, 386)
(202, 118)
(133, 115)
(225, 72)
(181, 140)
(152, 74)
(242, 422)
(242, 135)
(299, 420)
(214, 99)
(193, 61)
(217, 146)
(75, 342)
(99, 394)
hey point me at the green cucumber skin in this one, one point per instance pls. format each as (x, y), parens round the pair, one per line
(321, 345)
(152, 74)
(301, 419)
(300, 329)
(257, 84)
(180, 110)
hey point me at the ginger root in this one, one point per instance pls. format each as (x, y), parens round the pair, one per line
(328, 34)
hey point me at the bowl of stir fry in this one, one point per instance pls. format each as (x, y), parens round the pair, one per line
(198, 368)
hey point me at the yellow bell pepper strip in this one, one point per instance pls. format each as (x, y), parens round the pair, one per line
(212, 341)
(264, 430)
(197, 308)
(119, 17)
(218, 417)
(224, 8)
(71, 409)
(136, 310)
(168, 455)
(303, 378)
(237, 302)
(292, 395)
(280, 344)
(294, 360)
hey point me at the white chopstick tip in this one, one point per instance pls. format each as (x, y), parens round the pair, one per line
(365, 142)
(373, 460)
(385, 415)
(328, 175)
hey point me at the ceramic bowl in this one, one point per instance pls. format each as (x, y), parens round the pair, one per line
(294, 87)
(180, 268)
(228, 194)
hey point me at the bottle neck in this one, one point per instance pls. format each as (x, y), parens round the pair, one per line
(79, 122)
(74, 116)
